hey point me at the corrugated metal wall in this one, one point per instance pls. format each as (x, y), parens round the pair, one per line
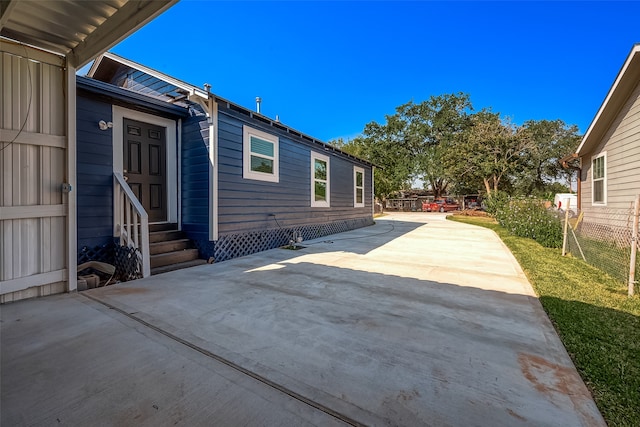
(33, 163)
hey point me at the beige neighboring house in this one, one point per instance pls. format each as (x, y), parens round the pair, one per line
(610, 150)
(41, 45)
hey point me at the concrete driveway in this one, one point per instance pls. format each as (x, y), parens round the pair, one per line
(413, 321)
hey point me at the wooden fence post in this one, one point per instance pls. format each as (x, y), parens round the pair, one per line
(566, 227)
(634, 245)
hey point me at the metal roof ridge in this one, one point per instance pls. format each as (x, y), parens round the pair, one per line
(205, 95)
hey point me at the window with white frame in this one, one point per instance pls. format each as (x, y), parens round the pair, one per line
(599, 179)
(320, 180)
(260, 155)
(358, 187)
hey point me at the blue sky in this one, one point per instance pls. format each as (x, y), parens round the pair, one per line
(328, 68)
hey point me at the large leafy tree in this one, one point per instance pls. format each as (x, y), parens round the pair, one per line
(449, 147)
(433, 124)
(541, 168)
(409, 144)
(489, 152)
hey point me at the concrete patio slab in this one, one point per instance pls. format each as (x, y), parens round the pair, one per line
(68, 360)
(413, 321)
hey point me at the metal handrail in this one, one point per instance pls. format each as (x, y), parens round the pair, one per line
(131, 221)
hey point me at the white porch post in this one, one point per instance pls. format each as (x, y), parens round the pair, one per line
(72, 229)
(213, 167)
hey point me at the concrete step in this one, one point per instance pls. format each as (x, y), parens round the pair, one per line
(175, 257)
(179, 266)
(163, 236)
(169, 246)
(163, 226)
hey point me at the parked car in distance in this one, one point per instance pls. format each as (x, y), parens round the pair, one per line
(440, 205)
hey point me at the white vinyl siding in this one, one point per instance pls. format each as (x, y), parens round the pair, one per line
(358, 187)
(599, 179)
(260, 155)
(320, 181)
(621, 142)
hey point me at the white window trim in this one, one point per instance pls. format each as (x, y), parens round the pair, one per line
(325, 203)
(247, 173)
(604, 180)
(357, 169)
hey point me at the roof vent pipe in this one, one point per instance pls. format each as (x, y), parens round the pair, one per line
(258, 101)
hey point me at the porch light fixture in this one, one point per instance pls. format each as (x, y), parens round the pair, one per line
(105, 125)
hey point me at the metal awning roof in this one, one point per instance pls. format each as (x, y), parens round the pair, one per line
(79, 30)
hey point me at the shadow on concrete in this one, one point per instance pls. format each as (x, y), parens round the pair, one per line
(377, 342)
(375, 347)
(363, 240)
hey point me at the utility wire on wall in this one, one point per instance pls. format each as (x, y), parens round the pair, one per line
(30, 92)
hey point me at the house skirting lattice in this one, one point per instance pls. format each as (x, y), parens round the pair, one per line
(231, 246)
(125, 259)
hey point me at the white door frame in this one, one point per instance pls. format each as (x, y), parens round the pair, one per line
(119, 114)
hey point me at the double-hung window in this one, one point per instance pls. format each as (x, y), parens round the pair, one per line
(320, 181)
(599, 179)
(358, 187)
(260, 155)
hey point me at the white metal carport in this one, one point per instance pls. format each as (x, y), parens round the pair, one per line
(42, 45)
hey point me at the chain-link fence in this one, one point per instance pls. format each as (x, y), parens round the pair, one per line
(604, 238)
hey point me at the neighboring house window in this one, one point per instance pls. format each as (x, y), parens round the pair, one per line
(358, 187)
(320, 180)
(260, 155)
(599, 179)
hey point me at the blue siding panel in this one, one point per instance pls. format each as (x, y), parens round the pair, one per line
(245, 204)
(94, 173)
(195, 180)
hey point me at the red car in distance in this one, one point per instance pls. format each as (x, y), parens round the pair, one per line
(440, 205)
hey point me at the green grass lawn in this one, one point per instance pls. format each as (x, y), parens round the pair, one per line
(595, 319)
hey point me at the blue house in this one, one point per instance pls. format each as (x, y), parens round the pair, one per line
(177, 176)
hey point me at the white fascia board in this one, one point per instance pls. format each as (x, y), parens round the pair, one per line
(635, 50)
(95, 65)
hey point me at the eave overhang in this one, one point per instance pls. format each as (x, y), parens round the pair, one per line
(627, 79)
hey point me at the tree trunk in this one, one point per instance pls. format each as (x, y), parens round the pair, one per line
(487, 186)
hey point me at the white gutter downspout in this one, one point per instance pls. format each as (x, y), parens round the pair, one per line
(213, 170)
(373, 192)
